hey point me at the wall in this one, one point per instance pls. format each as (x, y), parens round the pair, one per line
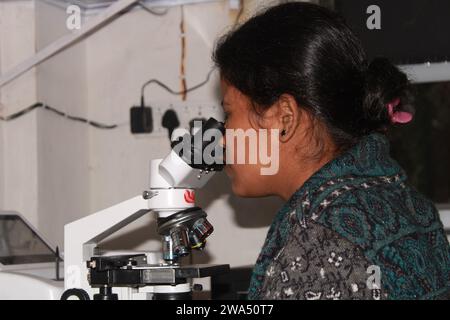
(18, 138)
(82, 169)
(63, 166)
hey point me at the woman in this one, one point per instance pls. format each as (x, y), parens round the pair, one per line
(351, 228)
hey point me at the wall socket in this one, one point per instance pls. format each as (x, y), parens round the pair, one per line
(186, 111)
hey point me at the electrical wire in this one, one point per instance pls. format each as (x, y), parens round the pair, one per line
(239, 14)
(99, 125)
(183, 55)
(21, 113)
(184, 90)
(156, 81)
(96, 124)
(92, 123)
(162, 85)
(149, 10)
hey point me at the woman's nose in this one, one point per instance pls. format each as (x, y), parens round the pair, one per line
(222, 141)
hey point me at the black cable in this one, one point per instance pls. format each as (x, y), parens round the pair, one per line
(156, 13)
(113, 126)
(162, 85)
(95, 124)
(21, 113)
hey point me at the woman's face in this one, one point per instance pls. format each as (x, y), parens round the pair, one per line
(246, 178)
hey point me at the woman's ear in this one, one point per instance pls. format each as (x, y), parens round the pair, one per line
(284, 115)
(287, 116)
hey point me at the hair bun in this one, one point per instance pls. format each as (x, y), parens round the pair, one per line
(384, 83)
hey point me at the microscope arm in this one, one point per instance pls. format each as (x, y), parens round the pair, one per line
(173, 181)
(82, 236)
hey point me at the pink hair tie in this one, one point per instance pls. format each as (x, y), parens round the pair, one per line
(398, 116)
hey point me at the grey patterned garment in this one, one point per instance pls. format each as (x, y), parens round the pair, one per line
(355, 230)
(318, 264)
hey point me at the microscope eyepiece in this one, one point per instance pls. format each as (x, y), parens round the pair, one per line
(203, 150)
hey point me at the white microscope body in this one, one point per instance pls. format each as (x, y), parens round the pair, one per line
(172, 190)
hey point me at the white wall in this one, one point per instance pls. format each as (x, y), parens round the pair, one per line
(83, 169)
(63, 145)
(18, 138)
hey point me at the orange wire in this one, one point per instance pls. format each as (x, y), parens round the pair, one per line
(183, 57)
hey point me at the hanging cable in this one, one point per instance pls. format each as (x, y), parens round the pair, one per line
(162, 85)
(183, 56)
(21, 113)
(152, 11)
(95, 124)
(239, 14)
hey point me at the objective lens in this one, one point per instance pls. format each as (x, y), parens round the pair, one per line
(180, 242)
(202, 229)
(196, 243)
(168, 254)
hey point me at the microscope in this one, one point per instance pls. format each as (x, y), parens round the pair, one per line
(183, 227)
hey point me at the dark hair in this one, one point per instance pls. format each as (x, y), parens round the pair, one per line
(309, 52)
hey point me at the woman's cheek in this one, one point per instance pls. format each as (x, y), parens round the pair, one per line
(239, 188)
(231, 171)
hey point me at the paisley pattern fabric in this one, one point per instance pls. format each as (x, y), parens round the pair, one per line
(355, 230)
